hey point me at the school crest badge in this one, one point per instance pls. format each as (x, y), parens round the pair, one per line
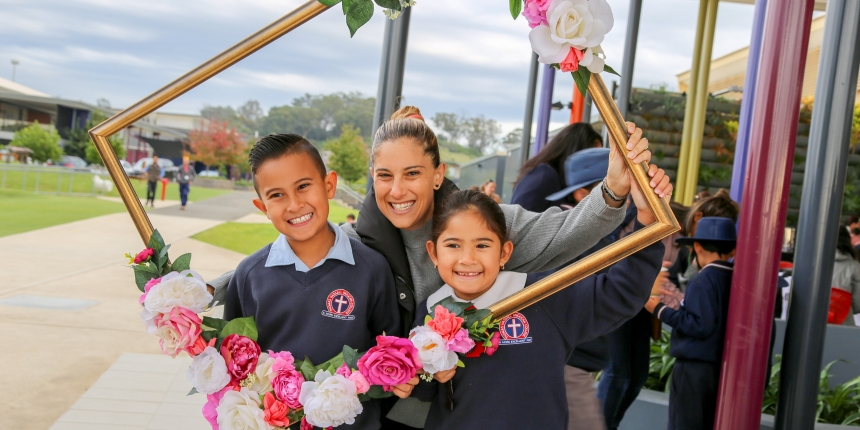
(339, 305)
(514, 329)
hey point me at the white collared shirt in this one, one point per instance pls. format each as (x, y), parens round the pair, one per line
(507, 283)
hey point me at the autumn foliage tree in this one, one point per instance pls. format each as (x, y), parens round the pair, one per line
(217, 144)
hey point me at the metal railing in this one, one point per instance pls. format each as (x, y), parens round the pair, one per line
(53, 180)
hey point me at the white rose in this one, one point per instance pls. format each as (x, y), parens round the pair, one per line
(431, 350)
(329, 400)
(240, 410)
(186, 289)
(208, 372)
(579, 24)
(263, 373)
(593, 60)
(149, 320)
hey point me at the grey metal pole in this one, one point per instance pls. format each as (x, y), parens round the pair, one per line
(820, 207)
(630, 40)
(530, 110)
(379, 107)
(586, 111)
(501, 162)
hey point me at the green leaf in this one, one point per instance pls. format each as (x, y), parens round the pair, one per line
(156, 242)
(163, 252)
(241, 326)
(213, 324)
(329, 3)
(193, 391)
(376, 392)
(516, 7)
(460, 363)
(333, 363)
(209, 335)
(608, 69)
(389, 4)
(358, 13)
(308, 370)
(581, 76)
(142, 275)
(350, 357)
(183, 262)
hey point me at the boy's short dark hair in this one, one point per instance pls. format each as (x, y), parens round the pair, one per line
(279, 145)
(350, 216)
(718, 247)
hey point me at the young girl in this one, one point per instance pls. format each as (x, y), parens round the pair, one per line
(522, 384)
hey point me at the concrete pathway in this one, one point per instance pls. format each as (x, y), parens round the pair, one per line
(69, 310)
(227, 207)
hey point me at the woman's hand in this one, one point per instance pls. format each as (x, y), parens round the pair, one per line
(617, 176)
(662, 187)
(404, 390)
(445, 375)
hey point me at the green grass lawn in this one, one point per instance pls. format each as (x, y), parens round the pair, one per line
(248, 238)
(22, 211)
(52, 180)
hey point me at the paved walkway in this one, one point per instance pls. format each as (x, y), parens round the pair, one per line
(69, 313)
(227, 207)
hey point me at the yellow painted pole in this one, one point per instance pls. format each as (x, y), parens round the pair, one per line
(680, 182)
(697, 130)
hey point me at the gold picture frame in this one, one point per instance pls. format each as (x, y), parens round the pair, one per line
(665, 225)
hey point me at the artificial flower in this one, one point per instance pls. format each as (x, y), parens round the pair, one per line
(361, 384)
(144, 256)
(210, 411)
(185, 289)
(288, 386)
(571, 23)
(343, 370)
(592, 59)
(240, 410)
(149, 320)
(208, 372)
(177, 330)
(284, 361)
(461, 342)
(241, 355)
(392, 361)
(149, 284)
(199, 345)
(275, 412)
(490, 350)
(445, 323)
(330, 400)
(306, 425)
(535, 12)
(432, 350)
(263, 374)
(571, 62)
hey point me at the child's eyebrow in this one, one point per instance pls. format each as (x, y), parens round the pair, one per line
(303, 179)
(452, 239)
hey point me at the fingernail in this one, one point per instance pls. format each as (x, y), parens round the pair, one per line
(653, 184)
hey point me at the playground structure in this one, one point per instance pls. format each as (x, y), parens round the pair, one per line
(761, 175)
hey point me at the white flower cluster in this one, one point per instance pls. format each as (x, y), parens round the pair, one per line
(330, 400)
(431, 350)
(579, 24)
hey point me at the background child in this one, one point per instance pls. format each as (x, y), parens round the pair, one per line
(522, 384)
(699, 326)
(314, 289)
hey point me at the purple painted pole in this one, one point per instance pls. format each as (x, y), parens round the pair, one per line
(740, 165)
(544, 108)
(762, 218)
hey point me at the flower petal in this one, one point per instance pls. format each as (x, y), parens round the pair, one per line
(544, 46)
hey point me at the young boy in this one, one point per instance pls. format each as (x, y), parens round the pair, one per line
(313, 290)
(699, 326)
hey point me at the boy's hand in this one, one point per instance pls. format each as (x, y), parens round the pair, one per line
(652, 303)
(445, 375)
(404, 390)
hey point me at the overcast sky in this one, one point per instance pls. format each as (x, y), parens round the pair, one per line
(464, 56)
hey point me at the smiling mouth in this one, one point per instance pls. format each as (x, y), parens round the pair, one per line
(468, 274)
(402, 207)
(300, 220)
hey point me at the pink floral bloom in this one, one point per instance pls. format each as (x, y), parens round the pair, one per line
(392, 361)
(241, 355)
(445, 323)
(306, 425)
(571, 62)
(151, 283)
(343, 370)
(275, 411)
(284, 361)
(361, 384)
(535, 12)
(490, 350)
(287, 386)
(144, 256)
(209, 411)
(198, 346)
(177, 330)
(460, 342)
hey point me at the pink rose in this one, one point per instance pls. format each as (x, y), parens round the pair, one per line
(287, 386)
(144, 256)
(343, 370)
(177, 330)
(571, 62)
(198, 346)
(392, 361)
(460, 342)
(241, 355)
(284, 361)
(149, 284)
(490, 350)
(306, 425)
(209, 411)
(275, 411)
(535, 12)
(445, 323)
(361, 384)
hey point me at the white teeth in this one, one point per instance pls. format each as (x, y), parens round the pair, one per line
(468, 273)
(300, 219)
(402, 206)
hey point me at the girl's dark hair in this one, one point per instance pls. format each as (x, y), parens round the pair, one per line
(468, 200)
(720, 204)
(572, 138)
(680, 211)
(407, 123)
(277, 145)
(843, 242)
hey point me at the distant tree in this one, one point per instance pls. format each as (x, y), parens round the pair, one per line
(217, 144)
(515, 136)
(103, 103)
(482, 133)
(349, 156)
(251, 113)
(92, 154)
(78, 141)
(291, 119)
(451, 124)
(44, 143)
(335, 111)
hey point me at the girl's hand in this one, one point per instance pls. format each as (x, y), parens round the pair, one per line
(404, 390)
(445, 375)
(652, 303)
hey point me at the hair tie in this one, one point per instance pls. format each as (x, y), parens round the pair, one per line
(416, 116)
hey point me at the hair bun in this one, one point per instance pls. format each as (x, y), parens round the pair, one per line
(407, 112)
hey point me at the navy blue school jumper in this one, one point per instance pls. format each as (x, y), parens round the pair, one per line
(522, 385)
(698, 333)
(315, 313)
(531, 191)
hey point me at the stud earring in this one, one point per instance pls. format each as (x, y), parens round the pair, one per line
(503, 267)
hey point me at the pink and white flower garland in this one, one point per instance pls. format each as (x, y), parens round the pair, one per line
(569, 32)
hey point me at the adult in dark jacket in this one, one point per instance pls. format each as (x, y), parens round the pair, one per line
(543, 174)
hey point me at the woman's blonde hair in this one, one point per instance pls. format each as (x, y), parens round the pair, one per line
(407, 123)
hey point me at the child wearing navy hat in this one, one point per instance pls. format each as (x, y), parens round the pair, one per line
(699, 326)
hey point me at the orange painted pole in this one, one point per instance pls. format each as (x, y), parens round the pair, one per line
(577, 106)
